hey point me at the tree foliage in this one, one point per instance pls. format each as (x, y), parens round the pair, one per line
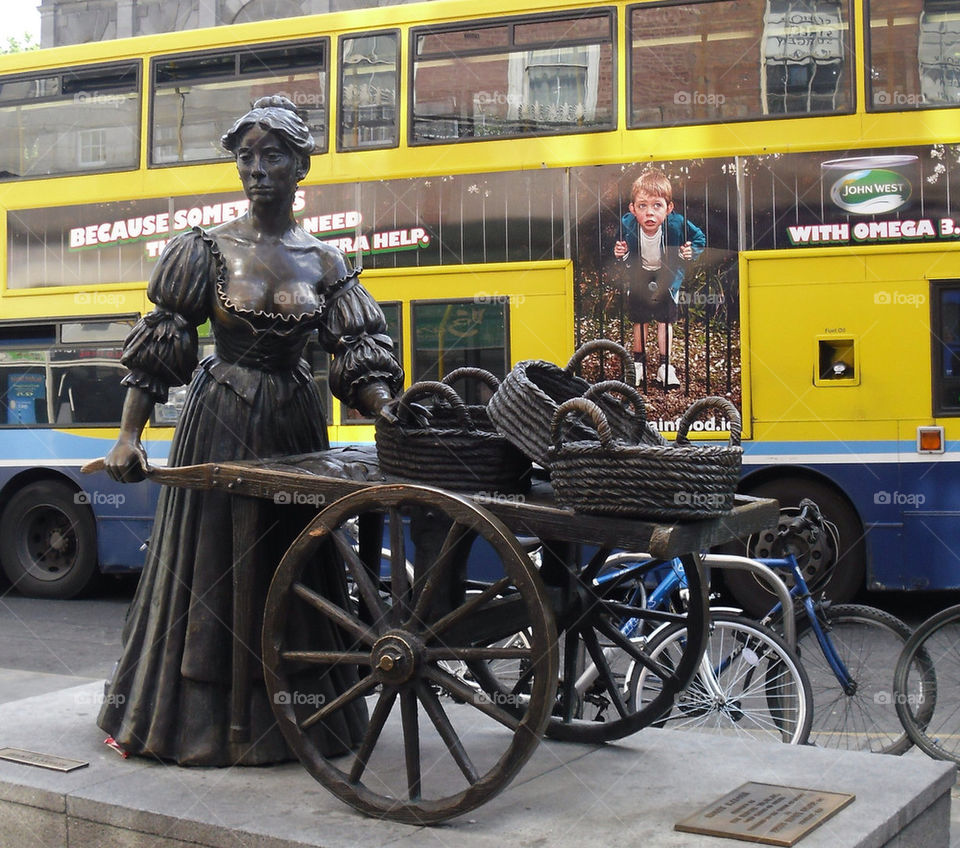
(20, 44)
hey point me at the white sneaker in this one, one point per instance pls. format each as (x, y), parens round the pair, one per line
(638, 366)
(671, 381)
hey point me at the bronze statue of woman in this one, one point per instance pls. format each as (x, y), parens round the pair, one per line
(188, 666)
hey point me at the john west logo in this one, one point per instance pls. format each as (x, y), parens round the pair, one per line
(871, 192)
(870, 185)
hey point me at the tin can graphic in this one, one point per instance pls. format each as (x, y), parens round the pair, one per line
(871, 185)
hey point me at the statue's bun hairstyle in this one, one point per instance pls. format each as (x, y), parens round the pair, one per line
(278, 114)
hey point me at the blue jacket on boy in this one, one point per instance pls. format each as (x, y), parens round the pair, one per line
(672, 234)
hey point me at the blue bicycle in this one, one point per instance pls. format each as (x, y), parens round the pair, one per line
(847, 653)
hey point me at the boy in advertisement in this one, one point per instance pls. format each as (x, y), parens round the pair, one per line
(655, 244)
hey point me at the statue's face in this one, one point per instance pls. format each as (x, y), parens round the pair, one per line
(268, 168)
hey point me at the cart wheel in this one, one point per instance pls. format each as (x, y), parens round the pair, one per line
(605, 635)
(434, 746)
(605, 626)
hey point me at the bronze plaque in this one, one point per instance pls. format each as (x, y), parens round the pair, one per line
(767, 813)
(34, 758)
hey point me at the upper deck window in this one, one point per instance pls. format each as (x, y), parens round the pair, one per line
(52, 121)
(197, 97)
(914, 50)
(710, 62)
(529, 76)
(369, 80)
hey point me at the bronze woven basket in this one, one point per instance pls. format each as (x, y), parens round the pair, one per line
(450, 450)
(527, 400)
(606, 476)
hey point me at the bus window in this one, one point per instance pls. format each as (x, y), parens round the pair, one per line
(369, 78)
(913, 54)
(946, 347)
(69, 121)
(452, 334)
(738, 60)
(528, 77)
(391, 311)
(197, 97)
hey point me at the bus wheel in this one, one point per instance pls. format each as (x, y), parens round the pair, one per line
(842, 558)
(48, 541)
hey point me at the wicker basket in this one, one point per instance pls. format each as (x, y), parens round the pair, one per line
(526, 402)
(672, 482)
(450, 451)
(478, 411)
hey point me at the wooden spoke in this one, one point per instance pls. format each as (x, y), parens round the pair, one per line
(399, 579)
(637, 653)
(381, 712)
(361, 576)
(353, 626)
(571, 645)
(358, 690)
(592, 568)
(606, 674)
(469, 695)
(473, 603)
(494, 652)
(437, 575)
(327, 657)
(434, 709)
(411, 741)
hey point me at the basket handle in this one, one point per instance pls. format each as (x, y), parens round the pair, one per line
(582, 352)
(431, 388)
(468, 373)
(629, 393)
(698, 407)
(583, 406)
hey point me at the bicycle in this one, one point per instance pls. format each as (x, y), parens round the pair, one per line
(846, 649)
(933, 726)
(748, 682)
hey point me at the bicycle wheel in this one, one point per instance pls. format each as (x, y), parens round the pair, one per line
(934, 728)
(749, 683)
(862, 716)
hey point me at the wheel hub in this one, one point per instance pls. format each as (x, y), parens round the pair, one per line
(396, 657)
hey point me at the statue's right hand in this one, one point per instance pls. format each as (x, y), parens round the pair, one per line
(127, 461)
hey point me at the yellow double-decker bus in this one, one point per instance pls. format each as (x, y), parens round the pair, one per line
(479, 164)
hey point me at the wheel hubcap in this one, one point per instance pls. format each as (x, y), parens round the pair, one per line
(397, 657)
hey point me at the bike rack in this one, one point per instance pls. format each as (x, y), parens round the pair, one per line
(771, 578)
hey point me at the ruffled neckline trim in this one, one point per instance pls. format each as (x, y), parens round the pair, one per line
(257, 317)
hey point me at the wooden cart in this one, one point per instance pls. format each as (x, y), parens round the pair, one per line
(450, 630)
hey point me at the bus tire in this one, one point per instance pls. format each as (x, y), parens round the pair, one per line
(850, 571)
(48, 541)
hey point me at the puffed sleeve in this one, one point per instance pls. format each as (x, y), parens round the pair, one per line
(355, 332)
(161, 350)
